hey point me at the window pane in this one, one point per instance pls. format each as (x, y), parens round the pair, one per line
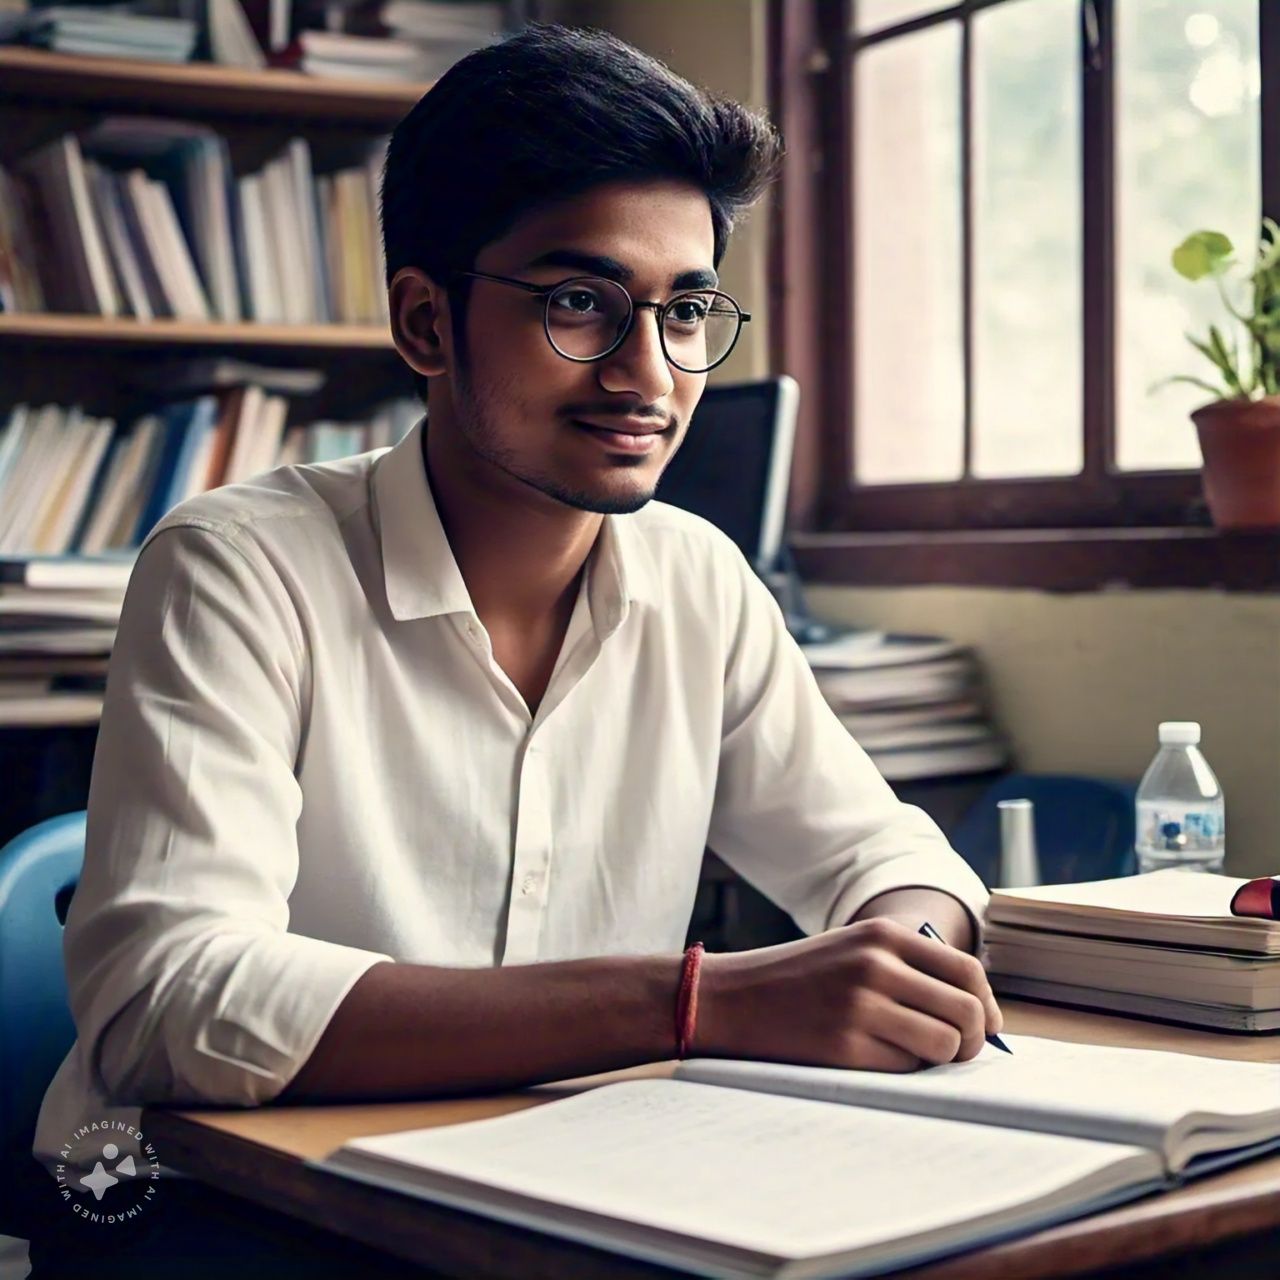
(908, 382)
(875, 15)
(1187, 126)
(1027, 397)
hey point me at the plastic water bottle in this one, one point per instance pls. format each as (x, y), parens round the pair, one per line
(1181, 821)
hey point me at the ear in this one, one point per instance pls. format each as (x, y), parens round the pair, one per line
(420, 321)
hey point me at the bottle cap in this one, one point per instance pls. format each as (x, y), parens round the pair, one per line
(1179, 733)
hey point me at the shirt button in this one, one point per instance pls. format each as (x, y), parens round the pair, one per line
(528, 884)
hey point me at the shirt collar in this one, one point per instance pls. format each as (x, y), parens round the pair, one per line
(422, 578)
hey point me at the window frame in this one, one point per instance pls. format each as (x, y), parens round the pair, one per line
(812, 55)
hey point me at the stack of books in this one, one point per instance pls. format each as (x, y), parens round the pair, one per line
(116, 31)
(145, 217)
(57, 625)
(403, 40)
(337, 55)
(914, 703)
(75, 484)
(1162, 945)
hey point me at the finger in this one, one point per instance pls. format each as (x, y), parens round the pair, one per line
(923, 1036)
(955, 967)
(995, 1017)
(874, 1054)
(959, 1010)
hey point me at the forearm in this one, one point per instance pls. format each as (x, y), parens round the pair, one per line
(415, 1030)
(913, 906)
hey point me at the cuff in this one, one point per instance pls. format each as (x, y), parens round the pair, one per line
(271, 1011)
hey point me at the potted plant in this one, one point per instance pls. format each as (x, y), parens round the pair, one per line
(1239, 430)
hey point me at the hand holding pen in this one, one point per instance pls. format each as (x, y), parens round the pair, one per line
(872, 995)
(930, 932)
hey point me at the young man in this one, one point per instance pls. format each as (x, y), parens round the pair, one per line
(408, 762)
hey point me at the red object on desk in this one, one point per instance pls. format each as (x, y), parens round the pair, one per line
(1259, 898)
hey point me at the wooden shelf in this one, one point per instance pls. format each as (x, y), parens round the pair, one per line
(127, 84)
(81, 330)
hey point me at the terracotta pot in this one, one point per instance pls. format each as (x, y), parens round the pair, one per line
(1240, 441)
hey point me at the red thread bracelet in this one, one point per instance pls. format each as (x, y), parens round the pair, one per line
(687, 999)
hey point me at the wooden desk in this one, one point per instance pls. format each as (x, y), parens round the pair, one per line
(258, 1154)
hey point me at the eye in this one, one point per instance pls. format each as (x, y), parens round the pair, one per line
(689, 311)
(577, 301)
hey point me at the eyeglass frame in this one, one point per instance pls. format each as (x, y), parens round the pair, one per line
(659, 310)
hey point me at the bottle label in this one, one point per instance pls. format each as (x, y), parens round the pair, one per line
(1172, 829)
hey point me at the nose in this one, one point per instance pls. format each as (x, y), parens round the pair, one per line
(639, 366)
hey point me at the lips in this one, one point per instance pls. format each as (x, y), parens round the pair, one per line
(622, 426)
(623, 436)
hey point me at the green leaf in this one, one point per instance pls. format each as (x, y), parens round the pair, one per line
(1211, 355)
(1216, 392)
(1223, 358)
(1203, 253)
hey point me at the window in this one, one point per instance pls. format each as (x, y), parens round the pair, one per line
(1005, 182)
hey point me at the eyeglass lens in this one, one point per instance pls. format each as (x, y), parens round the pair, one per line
(585, 319)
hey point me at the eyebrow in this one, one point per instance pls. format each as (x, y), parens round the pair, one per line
(599, 264)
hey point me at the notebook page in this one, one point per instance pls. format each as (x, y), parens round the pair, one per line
(1121, 1095)
(779, 1176)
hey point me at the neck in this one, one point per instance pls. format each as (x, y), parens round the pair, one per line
(520, 552)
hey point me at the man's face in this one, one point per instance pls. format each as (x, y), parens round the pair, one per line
(594, 436)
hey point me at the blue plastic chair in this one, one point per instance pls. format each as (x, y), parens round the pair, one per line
(1084, 827)
(39, 870)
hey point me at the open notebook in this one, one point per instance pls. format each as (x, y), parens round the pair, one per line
(855, 1172)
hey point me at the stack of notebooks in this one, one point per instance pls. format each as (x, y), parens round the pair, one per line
(763, 1169)
(75, 484)
(1162, 945)
(145, 217)
(914, 703)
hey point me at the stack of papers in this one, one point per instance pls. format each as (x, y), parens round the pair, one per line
(914, 703)
(1161, 945)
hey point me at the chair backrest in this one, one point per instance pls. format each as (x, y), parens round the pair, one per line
(38, 873)
(1084, 827)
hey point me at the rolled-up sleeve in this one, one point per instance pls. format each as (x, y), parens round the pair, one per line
(800, 810)
(185, 983)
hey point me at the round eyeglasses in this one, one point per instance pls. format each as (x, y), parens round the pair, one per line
(587, 318)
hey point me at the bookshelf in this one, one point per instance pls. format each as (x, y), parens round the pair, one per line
(58, 355)
(35, 77)
(100, 361)
(103, 331)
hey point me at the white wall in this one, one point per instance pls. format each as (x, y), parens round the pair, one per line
(1079, 682)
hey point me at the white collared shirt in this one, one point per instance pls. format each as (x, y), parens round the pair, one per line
(310, 762)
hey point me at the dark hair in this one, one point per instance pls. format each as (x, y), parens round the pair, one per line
(549, 113)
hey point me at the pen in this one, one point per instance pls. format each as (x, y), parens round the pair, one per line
(930, 932)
